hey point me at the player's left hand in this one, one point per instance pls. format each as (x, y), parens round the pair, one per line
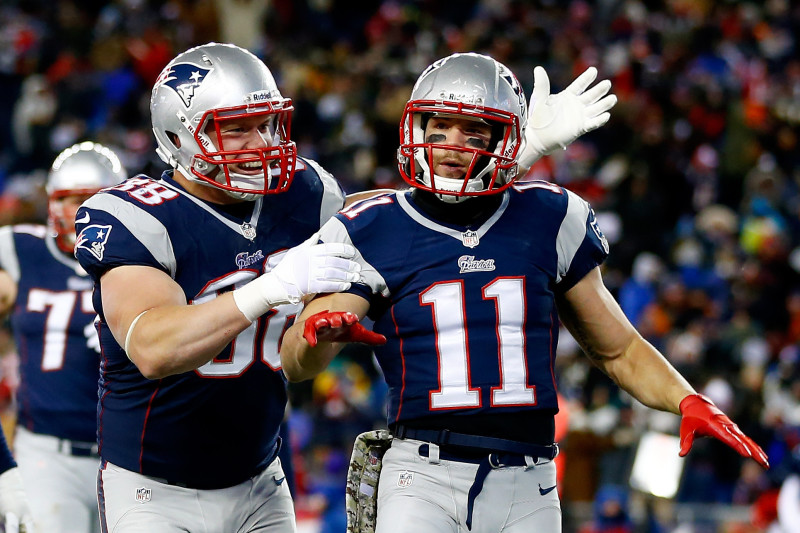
(338, 326)
(554, 121)
(14, 508)
(701, 417)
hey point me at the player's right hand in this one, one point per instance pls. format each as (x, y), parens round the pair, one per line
(312, 268)
(699, 416)
(555, 120)
(14, 506)
(338, 326)
(308, 268)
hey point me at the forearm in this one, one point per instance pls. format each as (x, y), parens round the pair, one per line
(645, 374)
(299, 360)
(172, 339)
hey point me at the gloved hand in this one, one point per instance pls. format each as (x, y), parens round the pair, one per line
(14, 507)
(338, 326)
(554, 121)
(308, 268)
(701, 417)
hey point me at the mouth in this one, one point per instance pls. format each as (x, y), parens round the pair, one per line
(450, 169)
(252, 168)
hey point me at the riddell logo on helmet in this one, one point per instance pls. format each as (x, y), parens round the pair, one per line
(463, 98)
(260, 96)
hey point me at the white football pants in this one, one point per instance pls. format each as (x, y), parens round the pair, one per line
(133, 503)
(61, 488)
(417, 494)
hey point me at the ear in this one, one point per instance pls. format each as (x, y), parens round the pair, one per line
(173, 137)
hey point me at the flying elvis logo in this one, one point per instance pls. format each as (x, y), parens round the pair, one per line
(184, 79)
(93, 239)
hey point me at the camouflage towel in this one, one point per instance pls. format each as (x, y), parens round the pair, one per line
(362, 480)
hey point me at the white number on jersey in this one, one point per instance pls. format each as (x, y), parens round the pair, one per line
(452, 344)
(59, 307)
(246, 348)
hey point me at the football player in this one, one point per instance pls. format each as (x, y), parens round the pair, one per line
(196, 275)
(50, 299)
(467, 277)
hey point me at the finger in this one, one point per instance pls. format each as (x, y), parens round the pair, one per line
(341, 264)
(359, 333)
(310, 334)
(582, 82)
(541, 87)
(686, 443)
(595, 122)
(339, 249)
(595, 93)
(349, 318)
(600, 107)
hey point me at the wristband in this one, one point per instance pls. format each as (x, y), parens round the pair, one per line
(260, 295)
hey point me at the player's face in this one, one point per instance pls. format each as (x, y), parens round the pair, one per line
(457, 132)
(244, 133)
(62, 213)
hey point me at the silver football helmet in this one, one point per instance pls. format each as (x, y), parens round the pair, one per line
(201, 89)
(80, 170)
(470, 86)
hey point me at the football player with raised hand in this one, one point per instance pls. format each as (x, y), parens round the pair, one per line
(466, 278)
(49, 296)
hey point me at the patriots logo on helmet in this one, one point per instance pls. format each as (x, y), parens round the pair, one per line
(184, 79)
(93, 239)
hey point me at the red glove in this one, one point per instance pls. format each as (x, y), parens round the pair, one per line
(339, 326)
(701, 417)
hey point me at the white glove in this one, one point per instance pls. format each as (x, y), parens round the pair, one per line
(554, 121)
(14, 506)
(308, 268)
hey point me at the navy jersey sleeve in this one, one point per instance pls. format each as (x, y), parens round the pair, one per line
(106, 239)
(581, 245)
(342, 228)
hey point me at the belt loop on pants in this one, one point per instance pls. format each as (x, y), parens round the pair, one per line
(78, 449)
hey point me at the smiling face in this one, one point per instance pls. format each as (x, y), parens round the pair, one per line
(458, 133)
(242, 134)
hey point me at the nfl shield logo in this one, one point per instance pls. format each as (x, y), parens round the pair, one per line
(405, 479)
(143, 495)
(470, 239)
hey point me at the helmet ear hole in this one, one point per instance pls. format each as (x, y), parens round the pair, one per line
(174, 139)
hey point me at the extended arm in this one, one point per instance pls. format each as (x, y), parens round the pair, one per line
(300, 360)
(613, 344)
(148, 314)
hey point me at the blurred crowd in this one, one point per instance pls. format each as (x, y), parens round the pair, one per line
(695, 180)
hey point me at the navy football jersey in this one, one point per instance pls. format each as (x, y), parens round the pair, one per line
(53, 326)
(469, 313)
(218, 425)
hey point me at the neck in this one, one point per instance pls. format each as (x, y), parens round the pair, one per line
(463, 213)
(209, 194)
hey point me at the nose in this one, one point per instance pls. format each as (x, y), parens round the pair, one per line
(258, 139)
